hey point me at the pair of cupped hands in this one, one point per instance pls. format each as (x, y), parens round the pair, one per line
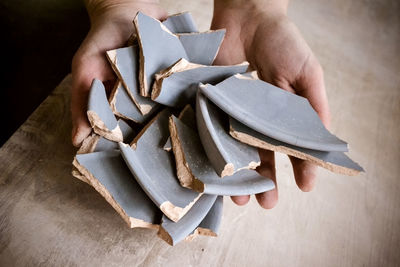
(257, 31)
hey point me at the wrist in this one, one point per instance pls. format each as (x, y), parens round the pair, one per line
(121, 11)
(254, 7)
(241, 18)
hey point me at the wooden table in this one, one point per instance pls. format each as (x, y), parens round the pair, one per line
(48, 217)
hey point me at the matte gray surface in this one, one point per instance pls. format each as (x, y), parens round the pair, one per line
(213, 219)
(168, 145)
(333, 157)
(126, 64)
(180, 87)
(98, 103)
(202, 48)
(220, 147)
(154, 168)
(273, 112)
(110, 170)
(244, 182)
(126, 108)
(180, 230)
(188, 117)
(104, 144)
(180, 23)
(159, 48)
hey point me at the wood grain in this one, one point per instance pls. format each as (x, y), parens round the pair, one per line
(48, 217)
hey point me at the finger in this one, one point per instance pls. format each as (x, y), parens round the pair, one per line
(84, 70)
(240, 200)
(268, 199)
(281, 83)
(305, 173)
(310, 84)
(79, 98)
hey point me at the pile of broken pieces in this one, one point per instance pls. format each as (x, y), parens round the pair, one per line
(171, 174)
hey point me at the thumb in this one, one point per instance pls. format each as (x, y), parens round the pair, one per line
(84, 70)
(79, 98)
(310, 84)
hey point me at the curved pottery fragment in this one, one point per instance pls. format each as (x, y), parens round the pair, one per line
(202, 47)
(159, 48)
(107, 172)
(154, 169)
(177, 85)
(188, 117)
(125, 63)
(273, 112)
(100, 115)
(209, 226)
(180, 23)
(174, 232)
(334, 161)
(96, 143)
(195, 171)
(123, 106)
(226, 154)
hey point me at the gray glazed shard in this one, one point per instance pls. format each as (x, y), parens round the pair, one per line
(125, 63)
(178, 84)
(123, 106)
(195, 171)
(159, 48)
(154, 169)
(100, 115)
(209, 226)
(226, 154)
(203, 47)
(273, 112)
(180, 23)
(107, 172)
(186, 116)
(96, 143)
(334, 161)
(174, 232)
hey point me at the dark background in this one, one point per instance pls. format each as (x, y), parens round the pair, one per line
(38, 41)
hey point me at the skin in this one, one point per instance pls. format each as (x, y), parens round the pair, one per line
(258, 31)
(275, 48)
(111, 27)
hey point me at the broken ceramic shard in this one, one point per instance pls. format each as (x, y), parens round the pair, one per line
(100, 115)
(123, 106)
(209, 226)
(273, 112)
(154, 169)
(107, 172)
(168, 145)
(178, 84)
(125, 63)
(186, 116)
(95, 143)
(226, 154)
(159, 48)
(180, 23)
(196, 172)
(202, 48)
(334, 161)
(174, 232)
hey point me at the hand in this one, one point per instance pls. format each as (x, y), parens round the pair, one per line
(111, 27)
(261, 33)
